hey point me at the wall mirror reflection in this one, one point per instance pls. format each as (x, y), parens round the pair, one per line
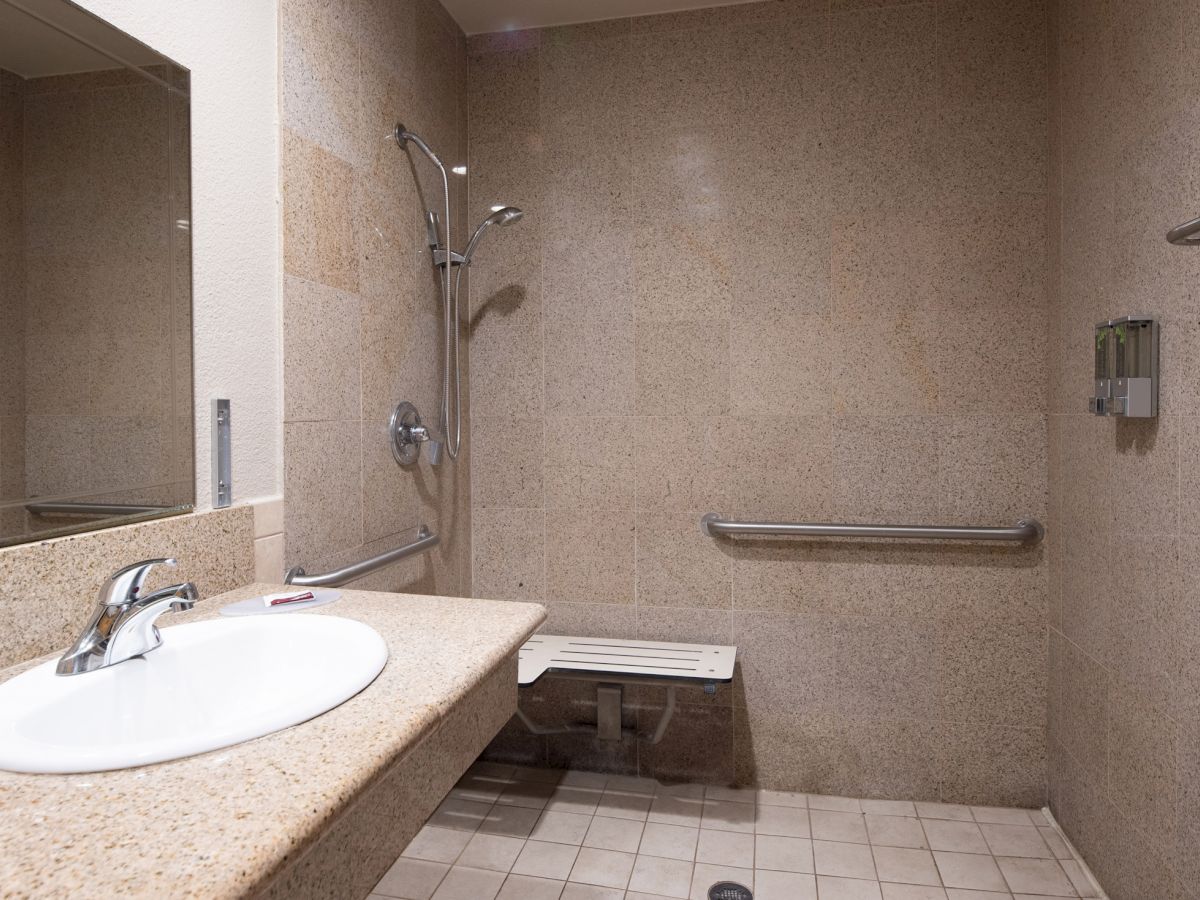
(95, 276)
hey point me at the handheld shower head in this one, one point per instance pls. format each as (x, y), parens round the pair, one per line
(506, 215)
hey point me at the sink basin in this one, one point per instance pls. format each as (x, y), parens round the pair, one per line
(210, 685)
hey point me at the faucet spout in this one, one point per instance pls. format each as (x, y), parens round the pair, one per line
(122, 625)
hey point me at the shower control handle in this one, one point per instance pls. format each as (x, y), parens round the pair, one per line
(407, 433)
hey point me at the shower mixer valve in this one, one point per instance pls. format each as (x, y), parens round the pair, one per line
(407, 433)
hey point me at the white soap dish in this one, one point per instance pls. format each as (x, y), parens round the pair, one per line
(254, 606)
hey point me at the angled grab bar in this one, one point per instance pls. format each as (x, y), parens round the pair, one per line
(426, 539)
(1183, 234)
(1028, 531)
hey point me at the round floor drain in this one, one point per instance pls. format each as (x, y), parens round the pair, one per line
(729, 890)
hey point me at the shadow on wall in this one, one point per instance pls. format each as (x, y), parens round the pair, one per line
(505, 302)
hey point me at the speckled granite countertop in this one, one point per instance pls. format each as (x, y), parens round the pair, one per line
(219, 824)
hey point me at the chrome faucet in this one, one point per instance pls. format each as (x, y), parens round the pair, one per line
(122, 625)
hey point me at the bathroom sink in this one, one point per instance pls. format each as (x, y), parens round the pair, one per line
(210, 685)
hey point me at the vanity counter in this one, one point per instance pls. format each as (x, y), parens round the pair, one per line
(287, 814)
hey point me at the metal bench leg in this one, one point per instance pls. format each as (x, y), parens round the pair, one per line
(608, 712)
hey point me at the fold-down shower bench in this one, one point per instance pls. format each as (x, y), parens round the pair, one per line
(614, 663)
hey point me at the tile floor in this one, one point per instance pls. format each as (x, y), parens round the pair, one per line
(512, 833)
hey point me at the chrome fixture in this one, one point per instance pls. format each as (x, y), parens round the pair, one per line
(1025, 531)
(1126, 354)
(122, 625)
(83, 508)
(222, 454)
(445, 258)
(408, 433)
(1185, 234)
(426, 540)
(505, 215)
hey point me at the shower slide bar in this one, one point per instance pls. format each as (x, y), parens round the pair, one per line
(1185, 234)
(426, 539)
(1028, 531)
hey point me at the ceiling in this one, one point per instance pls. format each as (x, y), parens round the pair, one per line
(482, 16)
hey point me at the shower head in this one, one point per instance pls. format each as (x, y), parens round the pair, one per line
(506, 215)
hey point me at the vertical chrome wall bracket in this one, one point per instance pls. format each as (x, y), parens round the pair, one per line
(222, 465)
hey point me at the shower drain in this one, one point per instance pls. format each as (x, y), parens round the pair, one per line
(729, 890)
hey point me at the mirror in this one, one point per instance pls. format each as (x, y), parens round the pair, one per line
(95, 276)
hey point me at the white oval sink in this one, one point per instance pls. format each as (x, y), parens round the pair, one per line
(210, 685)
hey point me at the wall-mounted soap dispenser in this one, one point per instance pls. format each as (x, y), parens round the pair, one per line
(1126, 368)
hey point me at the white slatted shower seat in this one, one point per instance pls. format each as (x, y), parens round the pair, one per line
(613, 662)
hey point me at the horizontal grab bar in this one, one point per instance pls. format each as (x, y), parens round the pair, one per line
(72, 508)
(1182, 234)
(425, 540)
(1025, 531)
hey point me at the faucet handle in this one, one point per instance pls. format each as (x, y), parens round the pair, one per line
(123, 586)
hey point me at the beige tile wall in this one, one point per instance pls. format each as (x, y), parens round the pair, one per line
(362, 312)
(780, 260)
(1125, 722)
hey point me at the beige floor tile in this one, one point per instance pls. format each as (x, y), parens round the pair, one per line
(783, 854)
(530, 794)
(1035, 876)
(621, 805)
(845, 860)
(688, 791)
(464, 815)
(960, 837)
(889, 807)
(671, 810)
(1079, 878)
(725, 848)
(590, 892)
(524, 887)
(912, 892)
(512, 821)
(665, 877)
(545, 860)
(669, 841)
(838, 826)
(705, 876)
(614, 834)
(535, 773)
(478, 788)
(782, 798)
(437, 844)
(836, 804)
(491, 851)
(731, 795)
(462, 883)
(785, 821)
(771, 885)
(945, 811)
(833, 888)
(964, 894)
(1055, 842)
(969, 870)
(592, 780)
(906, 866)
(581, 801)
(896, 831)
(605, 868)
(727, 816)
(412, 879)
(1000, 815)
(631, 784)
(561, 828)
(1015, 840)
(638, 895)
